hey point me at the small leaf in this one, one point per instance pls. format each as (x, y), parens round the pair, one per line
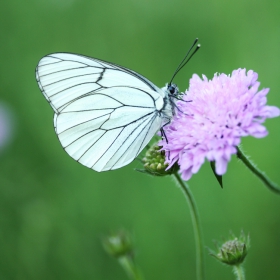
(151, 173)
(218, 177)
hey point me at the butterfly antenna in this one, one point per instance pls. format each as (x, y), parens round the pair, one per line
(186, 59)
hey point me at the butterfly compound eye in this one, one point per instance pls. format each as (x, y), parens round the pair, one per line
(172, 88)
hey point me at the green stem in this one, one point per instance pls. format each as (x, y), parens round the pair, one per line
(271, 185)
(239, 272)
(130, 268)
(196, 225)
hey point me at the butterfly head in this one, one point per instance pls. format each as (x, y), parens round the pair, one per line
(172, 89)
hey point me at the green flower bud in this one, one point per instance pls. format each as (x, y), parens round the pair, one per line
(154, 162)
(118, 244)
(233, 251)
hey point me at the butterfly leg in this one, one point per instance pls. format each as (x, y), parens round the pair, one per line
(163, 135)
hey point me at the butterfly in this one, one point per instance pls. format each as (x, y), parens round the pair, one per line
(104, 114)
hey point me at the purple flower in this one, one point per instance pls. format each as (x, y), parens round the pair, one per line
(221, 111)
(6, 125)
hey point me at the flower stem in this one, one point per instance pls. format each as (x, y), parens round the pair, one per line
(196, 225)
(271, 185)
(239, 272)
(130, 268)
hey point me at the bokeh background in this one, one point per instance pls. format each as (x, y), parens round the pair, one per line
(54, 211)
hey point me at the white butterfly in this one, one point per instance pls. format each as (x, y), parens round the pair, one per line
(104, 114)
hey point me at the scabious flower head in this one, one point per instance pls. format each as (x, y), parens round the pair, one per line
(210, 126)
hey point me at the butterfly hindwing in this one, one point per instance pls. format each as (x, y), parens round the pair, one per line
(105, 114)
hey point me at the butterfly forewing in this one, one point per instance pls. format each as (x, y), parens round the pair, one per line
(105, 114)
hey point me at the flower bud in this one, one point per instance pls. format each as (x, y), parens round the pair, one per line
(154, 162)
(233, 251)
(118, 244)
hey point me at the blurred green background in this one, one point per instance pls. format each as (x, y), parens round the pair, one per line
(54, 211)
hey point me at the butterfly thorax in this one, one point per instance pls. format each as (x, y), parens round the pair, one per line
(170, 91)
